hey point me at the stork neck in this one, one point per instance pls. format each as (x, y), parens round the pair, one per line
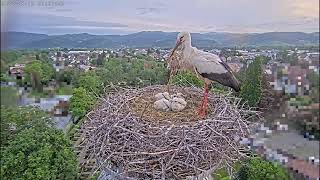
(187, 43)
(187, 48)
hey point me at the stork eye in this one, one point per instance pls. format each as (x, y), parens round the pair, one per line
(181, 38)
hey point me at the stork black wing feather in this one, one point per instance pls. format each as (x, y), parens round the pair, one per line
(225, 65)
(226, 79)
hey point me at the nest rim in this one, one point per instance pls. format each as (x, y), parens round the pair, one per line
(164, 130)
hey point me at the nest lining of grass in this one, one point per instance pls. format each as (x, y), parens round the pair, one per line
(131, 140)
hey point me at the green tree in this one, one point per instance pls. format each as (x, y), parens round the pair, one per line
(5, 78)
(314, 81)
(3, 66)
(38, 73)
(69, 75)
(39, 154)
(37, 57)
(132, 72)
(143, 73)
(251, 89)
(16, 119)
(34, 73)
(285, 57)
(265, 59)
(259, 169)
(101, 58)
(187, 78)
(313, 77)
(81, 102)
(8, 58)
(111, 72)
(91, 83)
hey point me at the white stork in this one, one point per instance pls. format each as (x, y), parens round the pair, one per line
(205, 65)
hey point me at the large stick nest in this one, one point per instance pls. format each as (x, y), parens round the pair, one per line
(131, 140)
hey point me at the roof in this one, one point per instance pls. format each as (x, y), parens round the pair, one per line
(304, 168)
(297, 74)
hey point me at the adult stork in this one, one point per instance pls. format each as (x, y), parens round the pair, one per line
(205, 65)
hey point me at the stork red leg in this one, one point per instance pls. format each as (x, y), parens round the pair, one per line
(206, 94)
(200, 108)
(204, 104)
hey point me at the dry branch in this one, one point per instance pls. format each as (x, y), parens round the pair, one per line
(132, 140)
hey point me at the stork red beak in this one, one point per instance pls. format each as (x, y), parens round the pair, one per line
(178, 43)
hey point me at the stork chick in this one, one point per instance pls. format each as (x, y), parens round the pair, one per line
(205, 65)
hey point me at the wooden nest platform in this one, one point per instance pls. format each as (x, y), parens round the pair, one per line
(131, 140)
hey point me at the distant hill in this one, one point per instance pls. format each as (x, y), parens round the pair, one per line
(21, 40)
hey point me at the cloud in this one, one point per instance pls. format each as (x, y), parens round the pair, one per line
(26, 21)
(176, 15)
(80, 29)
(144, 11)
(305, 8)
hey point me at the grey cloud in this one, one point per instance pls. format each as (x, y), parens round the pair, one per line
(143, 11)
(45, 20)
(193, 15)
(67, 30)
(64, 10)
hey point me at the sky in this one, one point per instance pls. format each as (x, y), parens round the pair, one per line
(129, 16)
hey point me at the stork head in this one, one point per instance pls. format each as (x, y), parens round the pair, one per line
(183, 38)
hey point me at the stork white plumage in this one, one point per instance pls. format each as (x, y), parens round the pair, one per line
(205, 65)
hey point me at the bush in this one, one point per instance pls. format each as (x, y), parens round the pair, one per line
(34, 154)
(259, 169)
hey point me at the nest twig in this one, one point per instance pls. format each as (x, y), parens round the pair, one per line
(134, 143)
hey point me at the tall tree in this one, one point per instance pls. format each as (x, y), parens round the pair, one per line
(91, 82)
(101, 58)
(39, 73)
(251, 88)
(80, 102)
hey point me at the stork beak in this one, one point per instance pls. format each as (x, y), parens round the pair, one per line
(178, 43)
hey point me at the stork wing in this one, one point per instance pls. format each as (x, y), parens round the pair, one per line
(211, 67)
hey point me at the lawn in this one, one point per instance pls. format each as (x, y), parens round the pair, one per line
(65, 90)
(9, 96)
